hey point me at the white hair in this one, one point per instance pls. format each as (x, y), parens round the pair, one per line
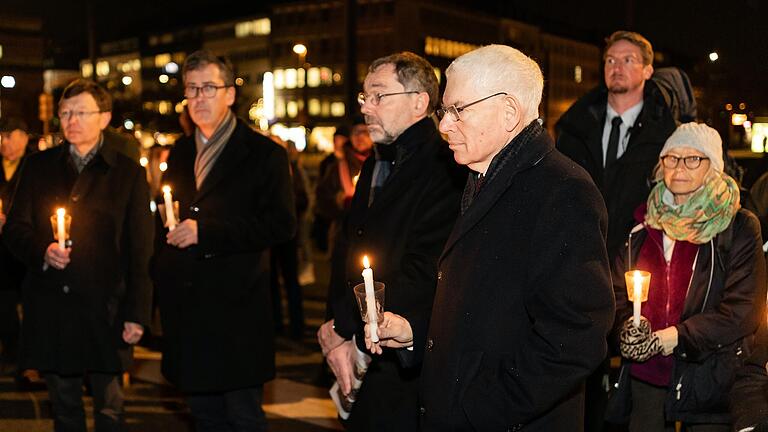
(501, 68)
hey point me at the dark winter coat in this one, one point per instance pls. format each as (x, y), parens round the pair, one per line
(749, 396)
(723, 308)
(626, 183)
(523, 301)
(402, 232)
(73, 318)
(214, 296)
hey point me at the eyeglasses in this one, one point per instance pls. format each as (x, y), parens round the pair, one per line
(208, 90)
(80, 115)
(375, 98)
(454, 111)
(690, 162)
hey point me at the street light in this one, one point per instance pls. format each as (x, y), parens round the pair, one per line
(713, 56)
(301, 50)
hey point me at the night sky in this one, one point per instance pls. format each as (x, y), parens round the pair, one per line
(732, 28)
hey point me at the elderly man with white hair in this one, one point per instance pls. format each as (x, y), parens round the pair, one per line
(523, 302)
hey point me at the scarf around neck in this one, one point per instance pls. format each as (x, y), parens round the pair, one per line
(707, 213)
(208, 151)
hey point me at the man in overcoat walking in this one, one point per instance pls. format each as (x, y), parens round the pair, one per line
(524, 298)
(212, 270)
(84, 304)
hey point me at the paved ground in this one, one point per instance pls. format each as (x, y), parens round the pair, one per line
(296, 401)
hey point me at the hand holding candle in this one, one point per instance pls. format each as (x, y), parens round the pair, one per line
(170, 218)
(637, 282)
(370, 299)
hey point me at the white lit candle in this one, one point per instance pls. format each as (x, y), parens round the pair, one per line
(370, 299)
(169, 217)
(60, 228)
(637, 285)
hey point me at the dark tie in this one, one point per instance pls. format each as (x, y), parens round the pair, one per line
(613, 141)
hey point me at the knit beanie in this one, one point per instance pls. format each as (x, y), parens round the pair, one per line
(700, 137)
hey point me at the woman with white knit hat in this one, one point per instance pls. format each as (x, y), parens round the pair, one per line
(706, 297)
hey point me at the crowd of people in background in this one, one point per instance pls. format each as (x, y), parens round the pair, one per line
(503, 252)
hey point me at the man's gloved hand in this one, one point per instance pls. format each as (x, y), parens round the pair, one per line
(638, 343)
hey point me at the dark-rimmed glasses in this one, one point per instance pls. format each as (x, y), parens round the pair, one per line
(455, 111)
(690, 162)
(375, 98)
(208, 90)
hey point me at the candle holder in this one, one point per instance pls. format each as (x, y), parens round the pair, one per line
(634, 276)
(378, 293)
(55, 227)
(164, 214)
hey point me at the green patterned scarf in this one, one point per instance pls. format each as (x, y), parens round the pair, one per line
(706, 214)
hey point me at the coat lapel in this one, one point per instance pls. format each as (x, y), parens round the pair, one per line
(528, 156)
(234, 152)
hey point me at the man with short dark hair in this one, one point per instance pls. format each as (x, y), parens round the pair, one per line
(86, 303)
(404, 204)
(212, 269)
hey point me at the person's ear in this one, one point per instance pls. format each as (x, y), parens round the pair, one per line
(513, 113)
(647, 72)
(421, 104)
(104, 119)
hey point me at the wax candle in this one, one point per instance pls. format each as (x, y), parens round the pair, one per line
(637, 285)
(60, 228)
(370, 299)
(169, 216)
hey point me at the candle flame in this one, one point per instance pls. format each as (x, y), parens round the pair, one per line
(366, 263)
(166, 189)
(60, 212)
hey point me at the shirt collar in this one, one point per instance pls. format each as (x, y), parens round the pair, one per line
(629, 116)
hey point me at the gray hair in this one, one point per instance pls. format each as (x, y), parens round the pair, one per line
(501, 68)
(200, 59)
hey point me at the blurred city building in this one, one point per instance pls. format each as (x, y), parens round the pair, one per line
(21, 67)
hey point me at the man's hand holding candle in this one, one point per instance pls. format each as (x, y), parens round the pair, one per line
(394, 332)
(184, 235)
(56, 257)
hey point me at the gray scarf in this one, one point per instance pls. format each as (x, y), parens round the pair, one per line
(208, 152)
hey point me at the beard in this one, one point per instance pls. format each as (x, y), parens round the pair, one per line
(618, 89)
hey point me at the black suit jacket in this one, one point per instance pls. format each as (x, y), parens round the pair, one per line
(73, 318)
(524, 299)
(402, 232)
(214, 298)
(627, 182)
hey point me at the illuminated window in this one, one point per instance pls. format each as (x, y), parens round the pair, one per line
(577, 74)
(326, 76)
(292, 109)
(279, 107)
(446, 48)
(313, 77)
(301, 77)
(290, 78)
(325, 108)
(337, 109)
(102, 68)
(1, 51)
(162, 59)
(255, 27)
(164, 107)
(314, 107)
(87, 70)
(280, 79)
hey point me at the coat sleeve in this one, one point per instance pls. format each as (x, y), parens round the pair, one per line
(749, 396)
(570, 307)
(138, 232)
(742, 304)
(20, 234)
(437, 213)
(272, 220)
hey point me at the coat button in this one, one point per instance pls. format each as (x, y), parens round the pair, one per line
(422, 410)
(430, 344)
(65, 289)
(359, 232)
(439, 275)
(75, 198)
(194, 209)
